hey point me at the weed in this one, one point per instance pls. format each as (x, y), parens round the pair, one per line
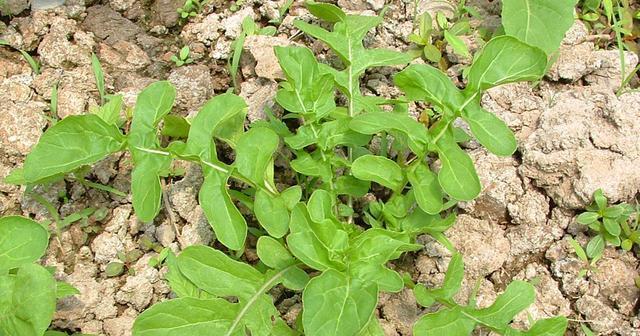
(182, 57)
(191, 8)
(616, 225)
(33, 63)
(589, 265)
(313, 236)
(249, 27)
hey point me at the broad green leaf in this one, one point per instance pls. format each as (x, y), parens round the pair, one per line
(22, 241)
(273, 254)
(153, 103)
(201, 264)
(372, 123)
(612, 226)
(326, 11)
(426, 188)
(306, 245)
(321, 205)
(449, 321)
(377, 246)
(595, 247)
(540, 23)
(457, 44)
(421, 222)
(450, 286)
(304, 137)
(186, 317)
(387, 279)
(110, 112)
(613, 211)
(223, 215)
(335, 305)
(587, 218)
(27, 301)
(65, 289)
(337, 132)
(272, 213)
(457, 176)
(424, 82)
(180, 284)
(254, 155)
(518, 296)
(505, 60)
(600, 199)
(309, 92)
(378, 169)
(312, 165)
(72, 143)
(291, 196)
(490, 131)
(349, 185)
(176, 126)
(221, 116)
(555, 326)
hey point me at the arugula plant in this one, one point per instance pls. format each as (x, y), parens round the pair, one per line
(319, 235)
(28, 290)
(454, 319)
(616, 225)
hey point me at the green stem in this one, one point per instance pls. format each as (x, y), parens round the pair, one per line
(268, 284)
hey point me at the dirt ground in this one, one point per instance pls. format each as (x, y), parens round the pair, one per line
(574, 134)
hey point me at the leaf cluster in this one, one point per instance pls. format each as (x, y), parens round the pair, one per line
(28, 290)
(616, 225)
(319, 235)
(182, 57)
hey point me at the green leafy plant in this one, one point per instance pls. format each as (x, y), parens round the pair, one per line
(29, 291)
(190, 8)
(616, 225)
(182, 57)
(432, 40)
(589, 265)
(249, 27)
(454, 319)
(315, 231)
(615, 18)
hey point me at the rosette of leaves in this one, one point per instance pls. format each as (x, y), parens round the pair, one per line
(616, 225)
(28, 291)
(457, 320)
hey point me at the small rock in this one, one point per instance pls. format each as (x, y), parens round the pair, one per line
(261, 48)
(232, 25)
(165, 234)
(136, 292)
(65, 44)
(21, 126)
(13, 7)
(616, 280)
(109, 25)
(605, 320)
(401, 310)
(123, 55)
(121, 325)
(258, 93)
(193, 86)
(206, 32)
(106, 247)
(165, 12)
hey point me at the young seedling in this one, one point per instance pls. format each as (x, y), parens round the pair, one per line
(616, 225)
(191, 8)
(589, 265)
(249, 27)
(182, 57)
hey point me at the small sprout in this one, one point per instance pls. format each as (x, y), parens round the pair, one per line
(182, 57)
